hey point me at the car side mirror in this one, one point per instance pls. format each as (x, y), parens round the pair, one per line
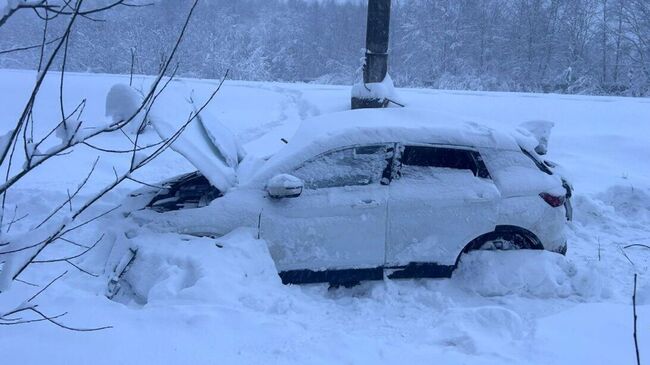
(284, 186)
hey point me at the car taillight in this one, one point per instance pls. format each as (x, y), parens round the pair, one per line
(552, 200)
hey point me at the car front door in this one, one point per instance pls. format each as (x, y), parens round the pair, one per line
(337, 226)
(442, 199)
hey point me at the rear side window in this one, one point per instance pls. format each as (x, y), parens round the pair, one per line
(361, 165)
(441, 157)
(540, 165)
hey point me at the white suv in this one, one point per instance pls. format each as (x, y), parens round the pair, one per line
(359, 194)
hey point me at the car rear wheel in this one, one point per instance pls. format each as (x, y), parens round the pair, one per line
(505, 240)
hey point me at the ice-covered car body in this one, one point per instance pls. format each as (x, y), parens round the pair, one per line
(359, 194)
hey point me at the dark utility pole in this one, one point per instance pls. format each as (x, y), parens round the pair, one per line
(376, 65)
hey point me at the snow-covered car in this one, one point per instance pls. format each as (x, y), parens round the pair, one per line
(360, 194)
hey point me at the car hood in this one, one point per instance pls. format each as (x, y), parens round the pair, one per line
(205, 142)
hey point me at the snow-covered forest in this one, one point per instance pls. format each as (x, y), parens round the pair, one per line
(565, 46)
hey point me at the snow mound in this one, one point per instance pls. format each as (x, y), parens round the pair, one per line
(375, 90)
(628, 201)
(480, 329)
(588, 210)
(618, 206)
(535, 274)
(122, 101)
(235, 269)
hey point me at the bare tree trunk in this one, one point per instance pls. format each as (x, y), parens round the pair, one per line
(550, 38)
(619, 37)
(604, 44)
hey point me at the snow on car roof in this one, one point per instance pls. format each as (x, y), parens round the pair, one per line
(363, 126)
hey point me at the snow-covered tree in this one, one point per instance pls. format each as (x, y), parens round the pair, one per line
(494, 45)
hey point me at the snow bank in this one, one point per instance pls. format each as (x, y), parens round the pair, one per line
(618, 210)
(168, 268)
(478, 330)
(534, 274)
(628, 201)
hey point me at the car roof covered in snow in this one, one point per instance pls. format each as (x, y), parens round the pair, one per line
(364, 126)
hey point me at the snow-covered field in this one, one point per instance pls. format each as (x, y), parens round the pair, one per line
(192, 301)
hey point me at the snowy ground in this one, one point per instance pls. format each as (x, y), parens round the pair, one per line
(193, 302)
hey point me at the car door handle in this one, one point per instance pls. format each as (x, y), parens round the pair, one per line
(366, 203)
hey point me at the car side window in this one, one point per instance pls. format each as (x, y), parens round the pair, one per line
(424, 160)
(360, 165)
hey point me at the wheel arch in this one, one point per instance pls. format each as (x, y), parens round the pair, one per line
(499, 231)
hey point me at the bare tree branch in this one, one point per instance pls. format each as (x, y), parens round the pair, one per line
(70, 257)
(112, 127)
(70, 197)
(47, 318)
(27, 282)
(636, 245)
(81, 269)
(20, 6)
(46, 286)
(39, 80)
(636, 341)
(27, 48)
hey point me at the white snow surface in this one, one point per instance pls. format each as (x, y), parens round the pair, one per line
(205, 301)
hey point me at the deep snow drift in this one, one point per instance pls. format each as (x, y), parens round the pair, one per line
(200, 300)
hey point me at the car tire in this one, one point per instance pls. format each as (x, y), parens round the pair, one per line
(505, 240)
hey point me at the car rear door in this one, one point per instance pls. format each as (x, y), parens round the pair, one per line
(442, 198)
(338, 223)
